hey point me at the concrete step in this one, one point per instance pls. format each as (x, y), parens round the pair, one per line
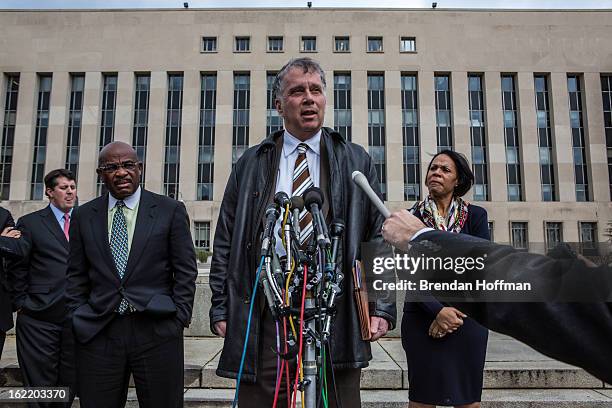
(509, 365)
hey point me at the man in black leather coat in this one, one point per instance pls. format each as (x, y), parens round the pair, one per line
(259, 173)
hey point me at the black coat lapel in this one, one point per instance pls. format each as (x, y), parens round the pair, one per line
(49, 220)
(145, 221)
(99, 225)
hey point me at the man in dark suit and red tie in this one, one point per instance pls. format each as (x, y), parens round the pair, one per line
(45, 345)
(131, 286)
(9, 247)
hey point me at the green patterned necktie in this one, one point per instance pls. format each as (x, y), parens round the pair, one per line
(119, 247)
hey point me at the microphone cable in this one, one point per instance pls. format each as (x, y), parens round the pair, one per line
(248, 330)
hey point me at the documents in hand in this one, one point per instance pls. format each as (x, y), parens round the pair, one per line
(361, 298)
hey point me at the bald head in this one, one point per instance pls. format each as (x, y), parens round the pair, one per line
(119, 169)
(114, 149)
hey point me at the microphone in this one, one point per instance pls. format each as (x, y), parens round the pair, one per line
(337, 229)
(362, 182)
(282, 199)
(297, 205)
(313, 198)
(272, 213)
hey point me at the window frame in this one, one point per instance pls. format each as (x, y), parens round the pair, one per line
(348, 42)
(203, 41)
(303, 38)
(375, 37)
(404, 38)
(242, 37)
(275, 37)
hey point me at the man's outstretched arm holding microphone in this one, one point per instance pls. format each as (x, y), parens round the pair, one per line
(582, 332)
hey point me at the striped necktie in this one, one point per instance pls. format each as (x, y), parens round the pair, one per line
(302, 182)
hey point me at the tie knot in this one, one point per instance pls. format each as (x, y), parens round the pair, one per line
(66, 216)
(120, 204)
(302, 147)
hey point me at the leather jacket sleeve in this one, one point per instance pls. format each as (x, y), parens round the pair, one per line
(221, 254)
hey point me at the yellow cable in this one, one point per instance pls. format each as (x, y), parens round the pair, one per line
(284, 223)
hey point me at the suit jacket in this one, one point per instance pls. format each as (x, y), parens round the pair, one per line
(161, 271)
(9, 249)
(39, 279)
(582, 332)
(477, 225)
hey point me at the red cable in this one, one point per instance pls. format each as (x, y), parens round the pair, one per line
(280, 375)
(299, 363)
(287, 374)
(278, 380)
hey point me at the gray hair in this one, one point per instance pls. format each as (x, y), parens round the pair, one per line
(306, 64)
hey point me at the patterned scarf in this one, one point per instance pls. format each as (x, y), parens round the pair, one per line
(455, 219)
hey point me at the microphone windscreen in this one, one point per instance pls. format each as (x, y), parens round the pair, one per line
(273, 209)
(313, 195)
(282, 199)
(297, 203)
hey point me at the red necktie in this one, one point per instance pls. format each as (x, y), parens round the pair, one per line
(67, 226)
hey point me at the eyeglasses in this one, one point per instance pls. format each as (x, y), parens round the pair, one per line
(113, 167)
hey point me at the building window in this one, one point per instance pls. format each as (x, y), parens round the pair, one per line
(410, 135)
(309, 44)
(342, 44)
(40, 137)
(478, 137)
(141, 119)
(518, 231)
(376, 128)
(242, 44)
(554, 234)
(274, 121)
(491, 227)
(407, 44)
(75, 113)
(511, 135)
(275, 44)
(206, 162)
(578, 144)
(588, 237)
(343, 121)
(202, 235)
(107, 123)
(547, 175)
(209, 44)
(8, 134)
(606, 94)
(242, 104)
(375, 44)
(444, 129)
(172, 145)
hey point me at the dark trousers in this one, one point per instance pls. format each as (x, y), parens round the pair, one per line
(148, 349)
(261, 393)
(45, 352)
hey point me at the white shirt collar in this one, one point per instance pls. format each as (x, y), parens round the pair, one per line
(290, 143)
(130, 202)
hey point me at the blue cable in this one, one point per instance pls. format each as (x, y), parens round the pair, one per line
(248, 329)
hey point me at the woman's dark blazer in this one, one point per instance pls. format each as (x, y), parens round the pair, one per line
(477, 225)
